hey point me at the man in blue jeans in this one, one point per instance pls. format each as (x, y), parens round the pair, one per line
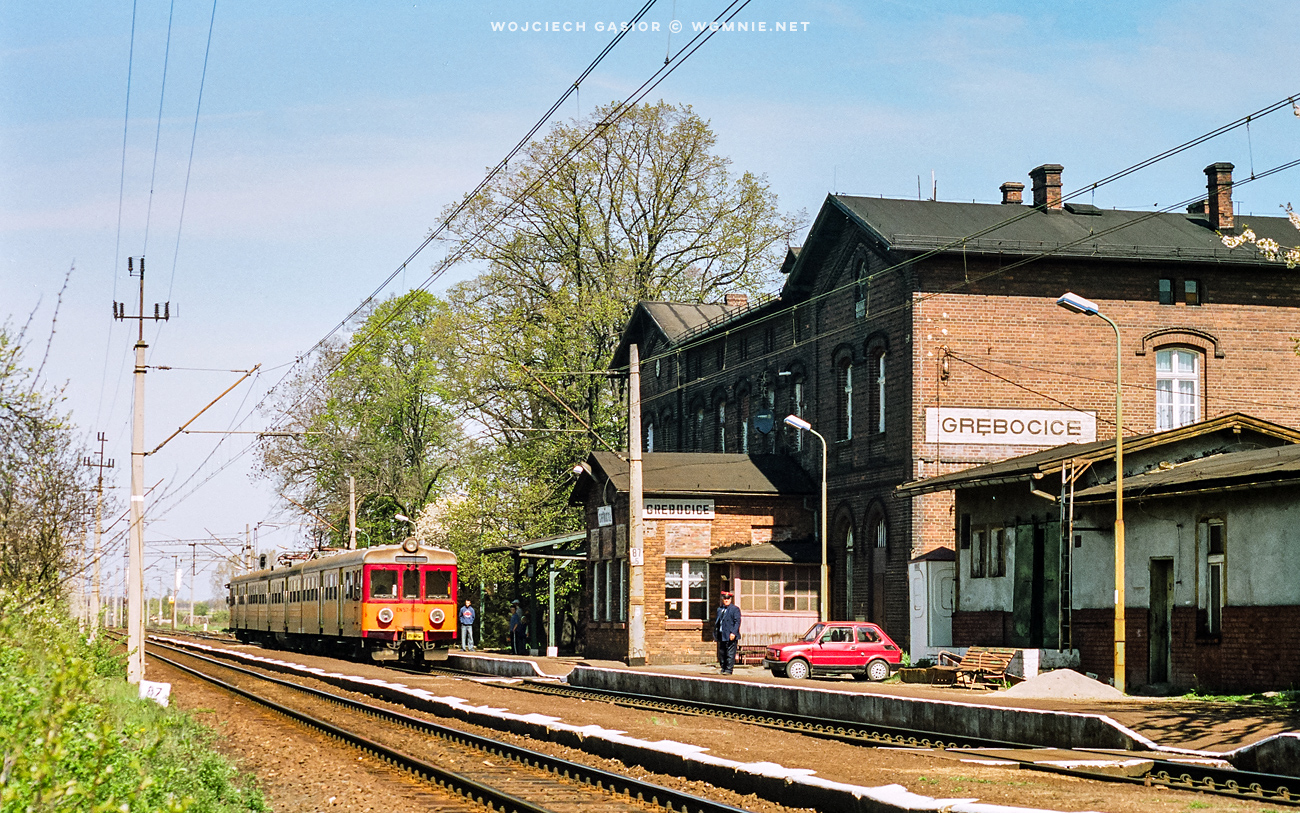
(466, 617)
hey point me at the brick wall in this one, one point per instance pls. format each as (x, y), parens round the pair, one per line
(736, 518)
(981, 628)
(1006, 345)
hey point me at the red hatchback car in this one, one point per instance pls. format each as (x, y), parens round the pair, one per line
(836, 647)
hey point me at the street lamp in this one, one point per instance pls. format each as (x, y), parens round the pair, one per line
(1077, 304)
(804, 426)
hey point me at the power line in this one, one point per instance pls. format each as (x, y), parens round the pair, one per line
(162, 94)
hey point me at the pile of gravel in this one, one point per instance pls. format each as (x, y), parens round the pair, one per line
(1064, 684)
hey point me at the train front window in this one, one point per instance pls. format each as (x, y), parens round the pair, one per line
(383, 584)
(437, 584)
(411, 583)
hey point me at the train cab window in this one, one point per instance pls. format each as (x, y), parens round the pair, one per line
(383, 584)
(437, 584)
(411, 583)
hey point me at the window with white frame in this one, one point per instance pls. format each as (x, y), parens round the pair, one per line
(650, 437)
(778, 588)
(722, 426)
(881, 533)
(1213, 540)
(845, 376)
(598, 592)
(1178, 379)
(685, 589)
(880, 392)
(797, 408)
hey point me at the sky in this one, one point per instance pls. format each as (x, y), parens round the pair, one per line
(329, 136)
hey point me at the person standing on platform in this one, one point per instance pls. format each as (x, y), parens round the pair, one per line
(517, 629)
(467, 616)
(726, 632)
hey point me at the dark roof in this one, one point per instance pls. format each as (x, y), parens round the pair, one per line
(700, 473)
(1256, 467)
(937, 555)
(671, 319)
(1051, 460)
(1087, 231)
(788, 552)
(550, 544)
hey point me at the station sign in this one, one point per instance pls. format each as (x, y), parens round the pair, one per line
(663, 508)
(1009, 427)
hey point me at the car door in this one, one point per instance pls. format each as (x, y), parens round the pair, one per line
(834, 650)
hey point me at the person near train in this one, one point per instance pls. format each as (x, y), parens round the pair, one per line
(518, 631)
(467, 616)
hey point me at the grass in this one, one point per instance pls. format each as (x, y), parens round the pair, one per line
(74, 736)
(1282, 699)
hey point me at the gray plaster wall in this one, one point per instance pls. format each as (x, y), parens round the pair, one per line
(1023, 726)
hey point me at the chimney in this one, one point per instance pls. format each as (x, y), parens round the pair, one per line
(736, 300)
(1047, 186)
(1011, 192)
(1218, 182)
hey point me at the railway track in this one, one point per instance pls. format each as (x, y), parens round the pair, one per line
(512, 778)
(1167, 773)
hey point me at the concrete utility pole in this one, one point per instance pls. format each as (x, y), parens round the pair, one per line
(635, 502)
(176, 593)
(99, 533)
(352, 512)
(135, 576)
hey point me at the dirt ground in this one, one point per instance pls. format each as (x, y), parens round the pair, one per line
(302, 778)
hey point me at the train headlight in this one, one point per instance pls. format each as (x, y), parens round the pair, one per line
(410, 545)
(436, 615)
(385, 615)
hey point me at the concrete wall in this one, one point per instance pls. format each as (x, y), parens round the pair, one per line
(1026, 726)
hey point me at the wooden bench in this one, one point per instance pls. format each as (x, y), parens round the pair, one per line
(751, 654)
(980, 665)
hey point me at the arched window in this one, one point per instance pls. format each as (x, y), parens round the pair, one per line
(844, 380)
(743, 419)
(880, 533)
(697, 429)
(798, 405)
(721, 435)
(1178, 390)
(880, 392)
(650, 436)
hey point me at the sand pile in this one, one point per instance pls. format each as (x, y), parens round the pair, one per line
(1064, 684)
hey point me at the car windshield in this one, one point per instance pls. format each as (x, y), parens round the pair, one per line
(814, 633)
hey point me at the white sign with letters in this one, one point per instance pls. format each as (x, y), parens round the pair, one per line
(661, 508)
(1009, 427)
(604, 515)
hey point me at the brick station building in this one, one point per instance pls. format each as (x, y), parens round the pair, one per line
(922, 337)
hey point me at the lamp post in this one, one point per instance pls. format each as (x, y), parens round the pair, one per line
(1077, 304)
(804, 426)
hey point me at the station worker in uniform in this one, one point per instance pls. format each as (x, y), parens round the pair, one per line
(726, 632)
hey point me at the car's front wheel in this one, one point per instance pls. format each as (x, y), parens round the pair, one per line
(877, 670)
(797, 669)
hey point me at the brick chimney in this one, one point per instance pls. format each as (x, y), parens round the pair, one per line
(1047, 186)
(736, 300)
(1011, 192)
(1218, 207)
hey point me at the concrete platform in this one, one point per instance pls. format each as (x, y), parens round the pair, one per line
(937, 709)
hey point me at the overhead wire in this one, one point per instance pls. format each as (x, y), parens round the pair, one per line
(910, 304)
(157, 139)
(658, 77)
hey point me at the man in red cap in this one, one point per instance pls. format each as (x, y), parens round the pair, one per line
(726, 632)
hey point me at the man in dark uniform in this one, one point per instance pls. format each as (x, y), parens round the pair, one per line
(726, 632)
(517, 630)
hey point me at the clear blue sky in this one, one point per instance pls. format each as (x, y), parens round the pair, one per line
(331, 135)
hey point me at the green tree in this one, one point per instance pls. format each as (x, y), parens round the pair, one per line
(645, 210)
(374, 407)
(43, 488)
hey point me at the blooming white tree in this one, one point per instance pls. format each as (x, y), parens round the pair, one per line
(1266, 245)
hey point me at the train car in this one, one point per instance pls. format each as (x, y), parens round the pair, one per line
(385, 603)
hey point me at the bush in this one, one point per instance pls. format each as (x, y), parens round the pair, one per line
(76, 738)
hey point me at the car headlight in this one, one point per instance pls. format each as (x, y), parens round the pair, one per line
(436, 615)
(385, 615)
